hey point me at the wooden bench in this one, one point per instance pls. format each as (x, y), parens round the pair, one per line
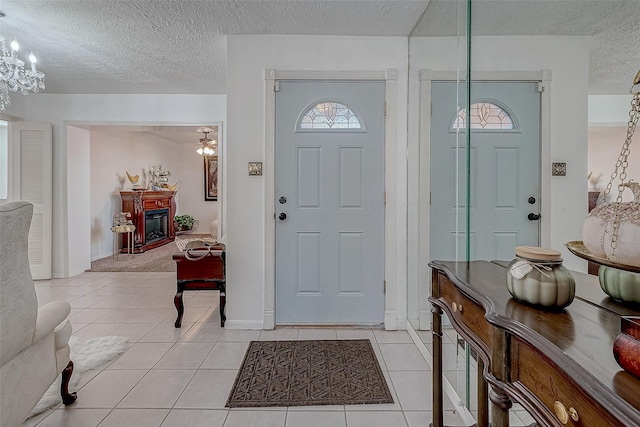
(201, 269)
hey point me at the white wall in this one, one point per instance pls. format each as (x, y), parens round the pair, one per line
(79, 183)
(609, 110)
(248, 57)
(568, 60)
(61, 110)
(608, 117)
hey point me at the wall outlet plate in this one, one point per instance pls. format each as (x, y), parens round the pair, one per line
(255, 168)
(558, 169)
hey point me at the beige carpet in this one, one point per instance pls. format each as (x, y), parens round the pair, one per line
(157, 259)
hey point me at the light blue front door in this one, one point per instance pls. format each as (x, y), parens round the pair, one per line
(505, 171)
(329, 187)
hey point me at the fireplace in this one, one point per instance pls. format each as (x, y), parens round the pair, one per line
(152, 213)
(156, 225)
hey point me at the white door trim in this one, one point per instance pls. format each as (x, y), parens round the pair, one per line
(271, 76)
(426, 78)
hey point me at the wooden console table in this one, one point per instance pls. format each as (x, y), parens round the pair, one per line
(558, 365)
(201, 269)
(139, 203)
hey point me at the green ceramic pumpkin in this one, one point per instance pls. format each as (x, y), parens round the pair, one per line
(557, 289)
(619, 284)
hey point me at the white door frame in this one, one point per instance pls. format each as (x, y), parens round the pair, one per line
(543, 77)
(71, 192)
(271, 76)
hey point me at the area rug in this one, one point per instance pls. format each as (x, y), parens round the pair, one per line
(86, 354)
(305, 373)
(158, 259)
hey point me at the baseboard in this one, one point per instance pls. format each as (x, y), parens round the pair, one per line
(268, 319)
(243, 324)
(390, 321)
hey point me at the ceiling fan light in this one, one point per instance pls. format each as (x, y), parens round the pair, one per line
(207, 146)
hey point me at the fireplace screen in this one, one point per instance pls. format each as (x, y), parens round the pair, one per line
(156, 225)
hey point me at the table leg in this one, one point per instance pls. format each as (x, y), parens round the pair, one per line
(500, 405)
(177, 300)
(115, 245)
(223, 303)
(483, 396)
(438, 415)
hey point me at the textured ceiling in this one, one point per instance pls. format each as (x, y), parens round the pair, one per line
(614, 27)
(179, 46)
(175, 46)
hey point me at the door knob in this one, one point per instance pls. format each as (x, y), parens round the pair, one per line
(282, 216)
(533, 217)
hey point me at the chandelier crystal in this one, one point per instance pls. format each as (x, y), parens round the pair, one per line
(207, 146)
(13, 76)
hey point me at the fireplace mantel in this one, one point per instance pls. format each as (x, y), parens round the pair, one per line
(141, 203)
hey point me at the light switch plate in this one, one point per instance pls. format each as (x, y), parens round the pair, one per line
(255, 168)
(558, 169)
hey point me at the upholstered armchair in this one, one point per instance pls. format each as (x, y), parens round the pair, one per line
(34, 343)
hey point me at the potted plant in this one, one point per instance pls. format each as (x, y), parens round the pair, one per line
(184, 222)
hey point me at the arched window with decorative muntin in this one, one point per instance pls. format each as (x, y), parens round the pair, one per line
(487, 116)
(329, 115)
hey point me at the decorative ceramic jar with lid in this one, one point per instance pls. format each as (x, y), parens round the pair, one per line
(536, 276)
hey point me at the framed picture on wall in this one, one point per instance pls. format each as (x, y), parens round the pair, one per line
(210, 177)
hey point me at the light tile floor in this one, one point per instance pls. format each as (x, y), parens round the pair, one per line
(181, 377)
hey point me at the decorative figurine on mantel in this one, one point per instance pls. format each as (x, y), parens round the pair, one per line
(133, 179)
(158, 176)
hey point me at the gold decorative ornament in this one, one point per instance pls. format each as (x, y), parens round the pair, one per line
(133, 179)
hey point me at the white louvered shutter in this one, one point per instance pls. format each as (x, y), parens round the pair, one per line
(32, 181)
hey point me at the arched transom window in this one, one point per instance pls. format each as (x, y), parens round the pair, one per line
(327, 115)
(485, 115)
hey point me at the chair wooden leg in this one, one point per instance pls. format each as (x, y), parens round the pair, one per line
(67, 398)
(177, 301)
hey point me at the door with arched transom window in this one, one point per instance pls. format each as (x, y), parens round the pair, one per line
(329, 189)
(505, 170)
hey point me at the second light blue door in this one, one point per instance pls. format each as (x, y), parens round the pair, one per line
(329, 188)
(505, 170)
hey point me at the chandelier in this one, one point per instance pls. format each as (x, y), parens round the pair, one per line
(13, 76)
(207, 146)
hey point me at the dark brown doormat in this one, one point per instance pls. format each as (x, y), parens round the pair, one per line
(304, 373)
